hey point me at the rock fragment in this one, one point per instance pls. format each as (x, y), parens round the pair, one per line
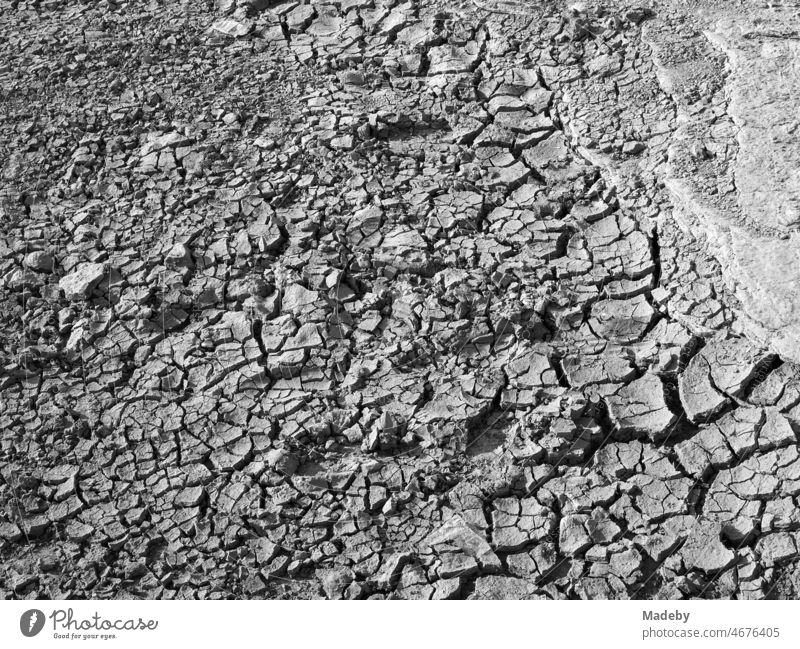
(639, 409)
(79, 284)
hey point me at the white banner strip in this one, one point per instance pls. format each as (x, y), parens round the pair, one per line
(349, 625)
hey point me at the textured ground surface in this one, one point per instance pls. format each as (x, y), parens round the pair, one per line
(399, 299)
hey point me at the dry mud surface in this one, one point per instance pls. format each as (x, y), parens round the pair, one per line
(383, 299)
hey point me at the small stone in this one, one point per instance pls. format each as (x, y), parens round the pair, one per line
(179, 256)
(282, 462)
(232, 28)
(335, 581)
(10, 532)
(39, 261)
(80, 283)
(704, 549)
(632, 148)
(573, 538)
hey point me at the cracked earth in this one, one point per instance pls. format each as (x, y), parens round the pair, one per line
(409, 300)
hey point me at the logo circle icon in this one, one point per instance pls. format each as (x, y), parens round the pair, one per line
(31, 622)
